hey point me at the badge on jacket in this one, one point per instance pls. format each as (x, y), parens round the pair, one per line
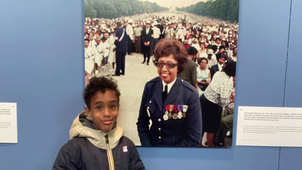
(175, 112)
(125, 149)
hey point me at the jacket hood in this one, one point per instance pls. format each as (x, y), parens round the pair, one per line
(82, 127)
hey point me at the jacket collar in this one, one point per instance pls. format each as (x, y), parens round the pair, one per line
(172, 95)
(82, 127)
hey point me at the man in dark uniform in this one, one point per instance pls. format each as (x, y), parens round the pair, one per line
(120, 43)
(147, 38)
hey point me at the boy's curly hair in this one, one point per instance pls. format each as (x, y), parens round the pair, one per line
(102, 84)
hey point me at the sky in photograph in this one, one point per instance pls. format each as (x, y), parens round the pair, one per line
(178, 3)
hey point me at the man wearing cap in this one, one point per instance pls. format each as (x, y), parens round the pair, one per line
(164, 32)
(170, 32)
(129, 30)
(147, 39)
(138, 32)
(120, 43)
(181, 32)
(218, 66)
(211, 58)
(156, 32)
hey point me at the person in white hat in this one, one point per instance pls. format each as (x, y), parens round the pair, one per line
(147, 39)
(170, 32)
(211, 58)
(130, 32)
(181, 32)
(138, 32)
(156, 32)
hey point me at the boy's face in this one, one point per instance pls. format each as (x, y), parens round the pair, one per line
(103, 110)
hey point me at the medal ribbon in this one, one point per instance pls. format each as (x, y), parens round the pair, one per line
(175, 110)
(185, 108)
(171, 108)
(167, 107)
(179, 107)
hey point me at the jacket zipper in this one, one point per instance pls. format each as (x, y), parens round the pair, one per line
(109, 154)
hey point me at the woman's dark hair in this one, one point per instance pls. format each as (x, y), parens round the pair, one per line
(166, 47)
(101, 84)
(230, 68)
(202, 58)
(192, 51)
(221, 47)
(214, 48)
(223, 56)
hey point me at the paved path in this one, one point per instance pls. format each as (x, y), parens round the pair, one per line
(131, 86)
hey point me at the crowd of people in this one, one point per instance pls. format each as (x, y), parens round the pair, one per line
(211, 54)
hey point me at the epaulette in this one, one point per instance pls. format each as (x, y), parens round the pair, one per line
(155, 79)
(187, 85)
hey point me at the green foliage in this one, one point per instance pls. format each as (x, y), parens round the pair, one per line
(89, 11)
(118, 8)
(227, 10)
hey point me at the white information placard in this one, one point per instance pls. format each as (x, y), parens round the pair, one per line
(8, 123)
(269, 126)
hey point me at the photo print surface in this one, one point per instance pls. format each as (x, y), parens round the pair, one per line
(166, 100)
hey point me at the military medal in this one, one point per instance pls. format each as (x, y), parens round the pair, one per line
(170, 111)
(180, 111)
(184, 109)
(166, 117)
(175, 112)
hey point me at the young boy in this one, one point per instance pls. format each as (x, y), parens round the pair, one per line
(96, 141)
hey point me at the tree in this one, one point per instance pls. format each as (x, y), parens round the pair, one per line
(118, 8)
(223, 9)
(89, 11)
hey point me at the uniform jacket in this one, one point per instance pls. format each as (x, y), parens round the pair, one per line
(185, 131)
(121, 40)
(147, 37)
(88, 149)
(214, 69)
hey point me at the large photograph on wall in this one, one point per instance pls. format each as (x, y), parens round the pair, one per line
(174, 62)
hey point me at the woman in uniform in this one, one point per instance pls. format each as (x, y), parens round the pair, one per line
(169, 102)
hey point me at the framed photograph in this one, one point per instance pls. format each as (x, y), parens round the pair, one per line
(167, 101)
